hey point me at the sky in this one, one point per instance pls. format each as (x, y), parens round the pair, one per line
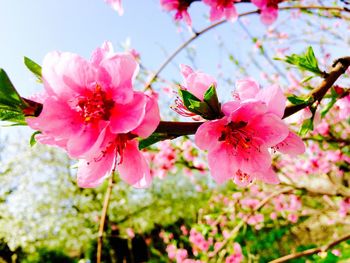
(34, 28)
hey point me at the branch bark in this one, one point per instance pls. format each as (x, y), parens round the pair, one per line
(103, 219)
(311, 251)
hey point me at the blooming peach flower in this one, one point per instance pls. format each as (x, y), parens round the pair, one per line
(180, 6)
(269, 10)
(116, 5)
(91, 110)
(238, 143)
(222, 8)
(120, 151)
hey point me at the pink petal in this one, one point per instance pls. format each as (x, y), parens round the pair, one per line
(92, 172)
(133, 168)
(116, 5)
(56, 119)
(117, 75)
(66, 74)
(81, 142)
(221, 164)
(246, 88)
(216, 14)
(101, 53)
(253, 159)
(269, 15)
(126, 117)
(291, 145)
(231, 13)
(229, 107)
(198, 83)
(208, 134)
(151, 119)
(269, 128)
(185, 70)
(269, 176)
(274, 99)
(49, 140)
(248, 110)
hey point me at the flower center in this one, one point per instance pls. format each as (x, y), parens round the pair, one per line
(96, 106)
(235, 134)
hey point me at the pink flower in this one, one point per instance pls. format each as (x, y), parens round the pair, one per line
(91, 110)
(269, 10)
(222, 8)
(196, 82)
(237, 255)
(180, 6)
(120, 151)
(116, 5)
(238, 143)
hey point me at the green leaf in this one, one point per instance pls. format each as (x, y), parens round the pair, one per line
(308, 125)
(32, 140)
(34, 67)
(154, 138)
(9, 96)
(305, 61)
(334, 96)
(298, 100)
(12, 116)
(186, 97)
(306, 79)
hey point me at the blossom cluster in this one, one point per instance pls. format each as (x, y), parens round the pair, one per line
(249, 127)
(221, 9)
(218, 9)
(91, 110)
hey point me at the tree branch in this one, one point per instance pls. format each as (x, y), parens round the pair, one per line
(311, 251)
(203, 31)
(103, 218)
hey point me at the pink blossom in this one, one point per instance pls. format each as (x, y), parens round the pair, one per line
(222, 8)
(269, 10)
(238, 143)
(116, 5)
(180, 6)
(237, 255)
(91, 110)
(196, 82)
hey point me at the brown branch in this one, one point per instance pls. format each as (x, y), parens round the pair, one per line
(339, 68)
(201, 32)
(103, 218)
(311, 251)
(175, 129)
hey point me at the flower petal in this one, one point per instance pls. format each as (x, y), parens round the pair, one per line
(151, 119)
(291, 145)
(208, 134)
(66, 74)
(269, 128)
(126, 117)
(117, 73)
(274, 99)
(269, 176)
(133, 168)
(221, 164)
(246, 88)
(91, 173)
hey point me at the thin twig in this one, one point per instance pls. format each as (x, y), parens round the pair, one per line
(311, 251)
(103, 218)
(201, 32)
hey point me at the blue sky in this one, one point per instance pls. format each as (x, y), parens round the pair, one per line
(34, 28)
